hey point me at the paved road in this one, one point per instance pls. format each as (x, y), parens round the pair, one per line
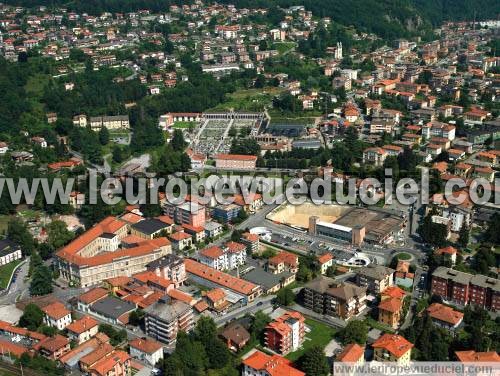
(414, 297)
(19, 288)
(259, 304)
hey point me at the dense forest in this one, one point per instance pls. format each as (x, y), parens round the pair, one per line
(387, 18)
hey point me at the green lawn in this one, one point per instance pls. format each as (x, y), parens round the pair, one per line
(403, 256)
(6, 272)
(320, 334)
(283, 47)
(184, 124)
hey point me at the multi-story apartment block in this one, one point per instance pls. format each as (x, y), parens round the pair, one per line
(229, 256)
(286, 333)
(98, 254)
(463, 288)
(164, 319)
(170, 267)
(326, 296)
(189, 213)
(226, 213)
(252, 241)
(438, 129)
(376, 278)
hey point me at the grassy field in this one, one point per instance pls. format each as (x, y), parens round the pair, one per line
(320, 335)
(6, 272)
(403, 256)
(283, 47)
(249, 99)
(184, 124)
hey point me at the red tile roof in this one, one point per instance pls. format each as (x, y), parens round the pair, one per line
(274, 365)
(351, 353)
(93, 295)
(56, 310)
(444, 313)
(394, 292)
(236, 157)
(447, 250)
(7, 347)
(82, 325)
(285, 257)
(212, 252)
(394, 343)
(220, 278)
(234, 247)
(473, 356)
(147, 346)
(324, 258)
(391, 305)
(215, 295)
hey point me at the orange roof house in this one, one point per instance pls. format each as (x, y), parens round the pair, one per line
(392, 347)
(352, 353)
(272, 365)
(473, 356)
(445, 316)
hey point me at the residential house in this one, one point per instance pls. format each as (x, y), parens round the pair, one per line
(259, 363)
(56, 315)
(83, 329)
(235, 336)
(444, 316)
(325, 261)
(146, 350)
(392, 348)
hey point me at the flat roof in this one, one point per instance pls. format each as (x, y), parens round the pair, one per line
(113, 307)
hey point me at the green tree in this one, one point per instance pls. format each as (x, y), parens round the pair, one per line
(285, 296)
(314, 362)
(58, 234)
(32, 317)
(18, 233)
(463, 236)
(104, 136)
(41, 281)
(136, 317)
(355, 331)
(259, 323)
(177, 142)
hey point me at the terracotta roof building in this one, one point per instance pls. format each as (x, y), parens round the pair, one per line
(98, 254)
(392, 348)
(444, 316)
(259, 363)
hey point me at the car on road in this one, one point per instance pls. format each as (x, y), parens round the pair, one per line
(259, 304)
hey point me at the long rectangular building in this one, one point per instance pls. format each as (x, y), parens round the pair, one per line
(464, 288)
(211, 277)
(99, 254)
